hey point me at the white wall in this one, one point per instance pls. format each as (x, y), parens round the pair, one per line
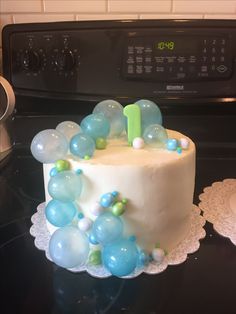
(21, 11)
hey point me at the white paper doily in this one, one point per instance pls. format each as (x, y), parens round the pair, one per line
(218, 202)
(177, 256)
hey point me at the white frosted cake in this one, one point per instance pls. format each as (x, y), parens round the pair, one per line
(141, 195)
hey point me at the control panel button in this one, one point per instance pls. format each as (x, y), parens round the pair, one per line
(222, 68)
(65, 60)
(30, 60)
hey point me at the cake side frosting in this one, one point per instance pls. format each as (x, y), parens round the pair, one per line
(158, 184)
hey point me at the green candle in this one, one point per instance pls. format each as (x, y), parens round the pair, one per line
(133, 114)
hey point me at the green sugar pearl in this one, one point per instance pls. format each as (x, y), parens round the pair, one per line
(101, 143)
(62, 165)
(95, 258)
(118, 208)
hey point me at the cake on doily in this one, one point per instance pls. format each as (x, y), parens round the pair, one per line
(119, 187)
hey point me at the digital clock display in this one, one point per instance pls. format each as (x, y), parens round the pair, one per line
(165, 45)
(171, 45)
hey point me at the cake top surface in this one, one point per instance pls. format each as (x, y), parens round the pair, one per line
(119, 153)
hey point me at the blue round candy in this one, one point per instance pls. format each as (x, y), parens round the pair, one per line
(96, 125)
(92, 239)
(107, 199)
(150, 113)
(171, 144)
(113, 111)
(120, 257)
(69, 247)
(143, 259)
(59, 213)
(53, 172)
(48, 146)
(82, 145)
(155, 135)
(107, 228)
(65, 186)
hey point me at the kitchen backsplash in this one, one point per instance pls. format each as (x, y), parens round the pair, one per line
(25, 11)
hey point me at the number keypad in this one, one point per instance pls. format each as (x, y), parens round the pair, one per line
(211, 59)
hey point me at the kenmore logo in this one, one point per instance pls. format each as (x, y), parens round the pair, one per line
(175, 87)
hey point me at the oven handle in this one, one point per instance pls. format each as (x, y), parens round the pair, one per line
(10, 98)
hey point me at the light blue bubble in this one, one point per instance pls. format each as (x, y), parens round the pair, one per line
(95, 125)
(65, 186)
(120, 257)
(60, 213)
(82, 145)
(69, 247)
(69, 129)
(48, 146)
(155, 135)
(150, 113)
(107, 228)
(113, 111)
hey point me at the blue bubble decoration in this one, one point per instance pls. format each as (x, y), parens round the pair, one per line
(60, 213)
(155, 135)
(82, 145)
(96, 125)
(48, 146)
(69, 247)
(113, 111)
(107, 228)
(150, 113)
(120, 257)
(69, 129)
(65, 186)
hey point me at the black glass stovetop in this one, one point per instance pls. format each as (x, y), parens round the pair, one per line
(29, 283)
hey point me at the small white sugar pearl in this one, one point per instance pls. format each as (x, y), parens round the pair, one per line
(184, 143)
(85, 224)
(97, 209)
(158, 255)
(138, 143)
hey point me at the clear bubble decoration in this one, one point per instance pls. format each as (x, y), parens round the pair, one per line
(120, 257)
(82, 145)
(113, 111)
(60, 213)
(107, 228)
(69, 129)
(155, 135)
(48, 146)
(96, 125)
(69, 247)
(150, 113)
(65, 186)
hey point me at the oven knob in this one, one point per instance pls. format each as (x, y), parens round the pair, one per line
(30, 60)
(65, 60)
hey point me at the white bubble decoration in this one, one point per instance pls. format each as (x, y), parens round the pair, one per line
(69, 129)
(48, 146)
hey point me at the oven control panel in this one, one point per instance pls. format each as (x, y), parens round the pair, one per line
(178, 58)
(164, 59)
